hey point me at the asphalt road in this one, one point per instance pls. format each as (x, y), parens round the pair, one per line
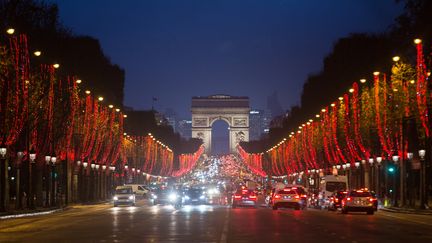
(145, 223)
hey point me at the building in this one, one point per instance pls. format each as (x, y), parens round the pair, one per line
(184, 128)
(259, 122)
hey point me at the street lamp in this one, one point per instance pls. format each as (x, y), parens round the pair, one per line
(79, 162)
(53, 192)
(92, 165)
(338, 167)
(104, 167)
(85, 164)
(379, 160)
(410, 155)
(97, 166)
(395, 158)
(357, 164)
(371, 160)
(10, 31)
(32, 156)
(3, 151)
(422, 153)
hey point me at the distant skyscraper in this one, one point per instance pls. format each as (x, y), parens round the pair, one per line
(259, 121)
(184, 128)
(274, 105)
(171, 118)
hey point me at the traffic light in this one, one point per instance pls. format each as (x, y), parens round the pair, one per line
(391, 169)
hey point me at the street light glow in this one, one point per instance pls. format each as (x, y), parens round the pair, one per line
(363, 80)
(37, 53)
(56, 65)
(100, 98)
(78, 81)
(87, 92)
(417, 41)
(10, 31)
(396, 59)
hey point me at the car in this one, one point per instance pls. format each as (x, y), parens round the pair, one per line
(287, 198)
(302, 192)
(244, 197)
(124, 195)
(161, 196)
(358, 201)
(336, 200)
(194, 196)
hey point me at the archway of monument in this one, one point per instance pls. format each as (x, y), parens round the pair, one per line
(220, 138)
(209, 109)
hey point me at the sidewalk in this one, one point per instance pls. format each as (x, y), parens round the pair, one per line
(407, 210)
(41, 210)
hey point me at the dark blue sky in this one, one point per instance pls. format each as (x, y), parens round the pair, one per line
(174, 50)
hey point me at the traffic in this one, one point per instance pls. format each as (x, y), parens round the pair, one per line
(332, 193)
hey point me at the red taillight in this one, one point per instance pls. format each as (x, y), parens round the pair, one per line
(303, 196)
(297, 196)
(336, 200)
(287, 190)
(348, 199)
(277, 196)
(237, 197)
(244, 191)
(371, 199)
(252, 197)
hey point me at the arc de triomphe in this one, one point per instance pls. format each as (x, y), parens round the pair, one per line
(233, 110)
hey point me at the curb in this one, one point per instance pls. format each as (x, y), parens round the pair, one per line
(390, 210)
(21, 215)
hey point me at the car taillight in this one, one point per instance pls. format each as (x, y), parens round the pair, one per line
(348, 199)
(237, 197)
(371, 199)
(303, 196)
(252, 197)
(277, 196)
(336, 200)
(297, 196)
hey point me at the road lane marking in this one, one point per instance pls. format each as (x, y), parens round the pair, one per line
(224, 235)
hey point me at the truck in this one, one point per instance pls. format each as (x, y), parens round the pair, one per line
(330, 184)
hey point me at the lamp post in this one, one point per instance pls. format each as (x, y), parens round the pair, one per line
(84, 186)
(423, 195)
(378, 175)
(30, 198)
(92, 181)
(47, 180)
(53, 180)
(18, 197)
(395, 159)
(3, 178)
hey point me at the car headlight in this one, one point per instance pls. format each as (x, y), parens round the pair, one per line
(154, 196)
(202, 197)
(187, 197)
(115, 198)
(172, 197)
(131, 197)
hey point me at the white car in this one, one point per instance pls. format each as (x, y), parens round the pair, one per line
(124, 196)
(287, 198)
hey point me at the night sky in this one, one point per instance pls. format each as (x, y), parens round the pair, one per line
(174, 50)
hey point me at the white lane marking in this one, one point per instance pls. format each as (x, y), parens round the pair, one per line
(405, 219)
(13, 216)
(224, 235)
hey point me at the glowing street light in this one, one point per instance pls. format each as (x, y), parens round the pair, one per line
(396, 59)
(363, 80)
(100, 98)
(417, 41)
(37, 53)
(351, 90)
(376, 73)
(10, 31)
(78, 81)
(88, 92)
(56, 65)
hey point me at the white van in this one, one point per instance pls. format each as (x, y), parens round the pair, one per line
(139, 190)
